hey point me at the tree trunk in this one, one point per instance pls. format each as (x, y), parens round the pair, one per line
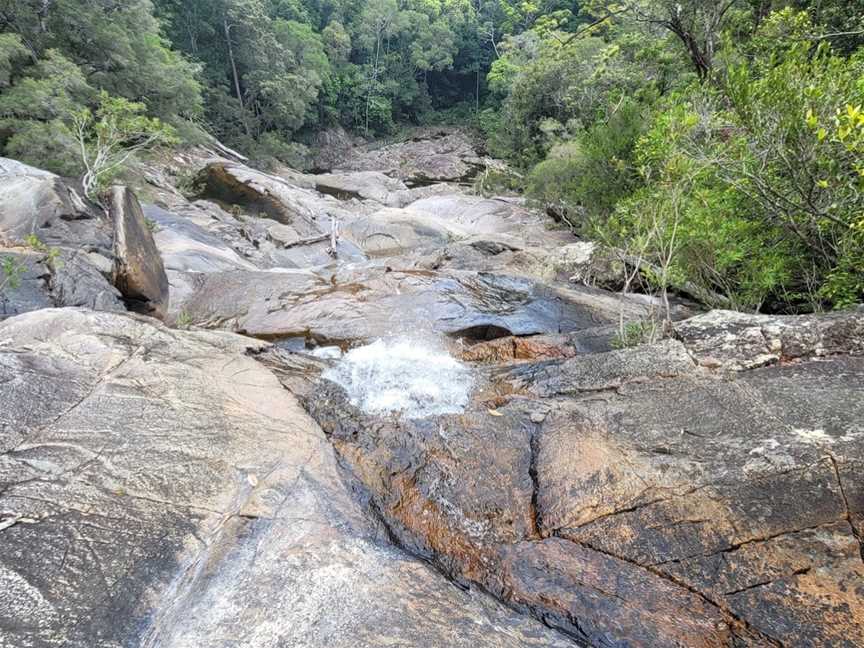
(43, 12)
(236, 76)
(700, 58)
(374, 79)
(232, 61)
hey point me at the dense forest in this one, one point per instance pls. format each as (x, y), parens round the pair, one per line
(719, 143)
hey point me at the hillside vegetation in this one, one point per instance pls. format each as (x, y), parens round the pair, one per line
(720, 144)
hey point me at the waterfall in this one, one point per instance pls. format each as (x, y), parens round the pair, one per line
(412, 378)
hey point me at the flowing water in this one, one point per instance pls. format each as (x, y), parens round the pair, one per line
(414, 379)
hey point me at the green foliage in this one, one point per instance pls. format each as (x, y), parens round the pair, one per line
(52, 255)
(732, 167)
(33, 106)
(184, 321)
(118, 44)
(494, 182)
(634, 334)
(110, 137)
(11, 272)
(554, 91)
(52, 61)
(45, 145)
(270, 150)
(12, 50)
(596, 169)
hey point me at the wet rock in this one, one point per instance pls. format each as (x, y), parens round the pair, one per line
(139, 272)
(567, 583)
(172, 493)
(599, 371)
(462, 492)
(508, 349)
(699, 479)
(728, 505)
(445, 494)
(364, 303)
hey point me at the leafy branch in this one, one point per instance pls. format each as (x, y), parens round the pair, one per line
(110, 137)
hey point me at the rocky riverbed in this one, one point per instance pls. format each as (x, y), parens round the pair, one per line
(217, 430)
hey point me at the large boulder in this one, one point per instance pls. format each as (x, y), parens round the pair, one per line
(60, 244)
(23, 282)
(255, 193)
(36, 202)
(139, 272)
(171, 493)
(637, 497)
(363, 185)
(731, 340)
(428, 157)
(185, 246)
(331, 146)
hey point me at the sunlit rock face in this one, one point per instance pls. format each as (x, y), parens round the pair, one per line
(413, 379)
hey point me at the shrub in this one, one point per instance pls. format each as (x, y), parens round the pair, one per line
(596, 170)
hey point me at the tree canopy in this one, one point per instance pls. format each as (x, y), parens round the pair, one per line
(730, 133)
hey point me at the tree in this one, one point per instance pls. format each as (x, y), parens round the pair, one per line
(117, 45)
(377, 22)
(33, 107)
(109, 138)
(697, 24)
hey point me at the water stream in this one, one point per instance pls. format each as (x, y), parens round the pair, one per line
(414, 379)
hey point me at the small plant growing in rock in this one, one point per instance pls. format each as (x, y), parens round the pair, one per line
(52, 254)
(11, 272)
(152, 225)
(637, 333)
(184, 321)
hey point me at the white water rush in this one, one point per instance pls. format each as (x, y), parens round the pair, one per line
(403, 377)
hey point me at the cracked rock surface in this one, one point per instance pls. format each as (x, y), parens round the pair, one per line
(166, 488)
(161, 488)
(637, 498)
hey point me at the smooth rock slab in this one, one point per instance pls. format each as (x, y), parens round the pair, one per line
(364, 303)
(161, 488)
(431, 156)
(185, 246)
(260, 194)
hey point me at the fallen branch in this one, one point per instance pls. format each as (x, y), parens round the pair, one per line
(309, 241)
